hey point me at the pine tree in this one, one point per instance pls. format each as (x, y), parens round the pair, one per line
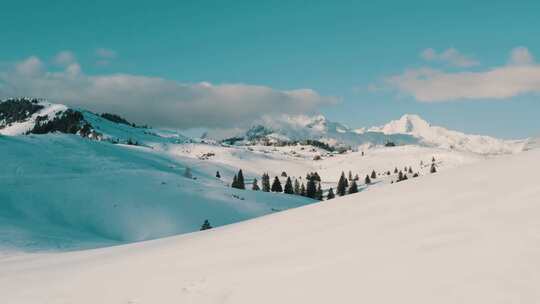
(350, 175)
(433, 159)
(311, 188)
(356, 178)
(410, 170)
(373, 174)
(319, 193)
(234, 183)
(276, 185)
(302, 190)
(353, 188)
(288, 187)
(330, 194)
(255, 186)
(206, 225)
(187, 173)
(218, 175)
(395, 170)
(367, 180)
(342, 185)
(296, 187)
(240, 180)
(266, 182)
(433, 169)
(283, 174)
(400, 176)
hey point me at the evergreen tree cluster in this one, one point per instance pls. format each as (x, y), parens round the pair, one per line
(238, 181)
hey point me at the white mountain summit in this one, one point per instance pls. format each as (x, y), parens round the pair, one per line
(409, 129)
(428, 134)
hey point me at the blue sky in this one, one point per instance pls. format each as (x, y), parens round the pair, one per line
(354, 53)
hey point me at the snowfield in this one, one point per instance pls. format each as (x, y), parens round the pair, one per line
(465, 235)
(83, 216)
(63, 192)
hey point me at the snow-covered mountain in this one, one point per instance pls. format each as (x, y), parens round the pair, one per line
(317, 130)
(440, 137)
(23, 116)
(409, 129)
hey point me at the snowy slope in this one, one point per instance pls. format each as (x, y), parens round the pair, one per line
(62, 191)
(49, 110)
(440, 137)
(297, 160)
(468, 235)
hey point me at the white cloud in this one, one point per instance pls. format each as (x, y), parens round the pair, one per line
(521, 56)
(65, 58)
(106, 53)
(521, 76)
(29, 67)
(158, 101)
(449, 56)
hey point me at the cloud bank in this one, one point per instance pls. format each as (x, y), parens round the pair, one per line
(153, 100)
(450, 56)
(521, 75)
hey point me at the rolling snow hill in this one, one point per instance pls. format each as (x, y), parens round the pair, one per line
(466, 235)
(61, 191)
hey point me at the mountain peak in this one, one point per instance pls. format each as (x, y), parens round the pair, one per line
(407, 124)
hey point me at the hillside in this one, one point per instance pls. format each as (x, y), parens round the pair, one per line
(467, 235)
(108, 181)
(61, 191)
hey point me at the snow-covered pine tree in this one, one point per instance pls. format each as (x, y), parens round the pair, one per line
(218, 175)
(373, 174)
(288, 189)
(206, 225)
(303, 190)
(330, 194)
(433, 169)
(276, 185)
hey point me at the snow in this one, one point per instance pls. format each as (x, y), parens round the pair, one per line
(65, 192)
(20, 128)
(464, 235)
(415, 126)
